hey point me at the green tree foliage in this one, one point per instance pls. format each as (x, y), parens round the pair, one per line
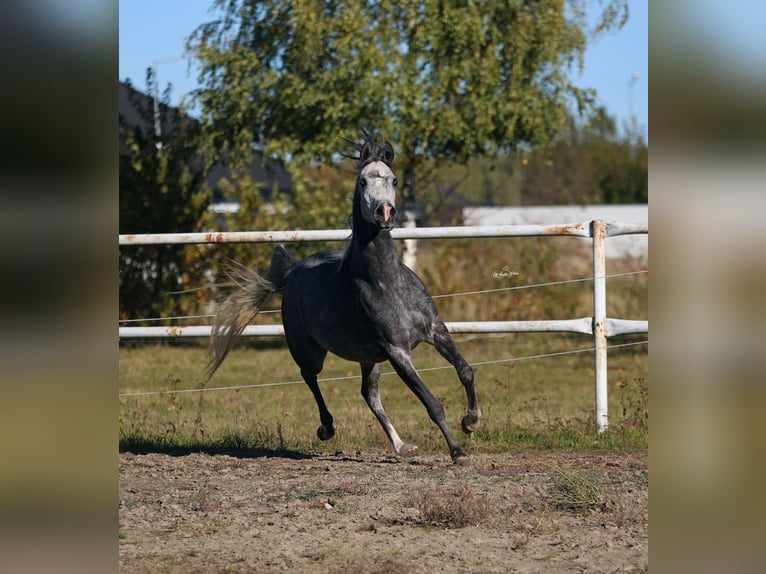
(589, 163)
(440, 79)
(480, 181)
(162, 190)
(320, 199)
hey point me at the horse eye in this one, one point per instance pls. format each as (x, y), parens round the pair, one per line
(363, 182)
(396, 182)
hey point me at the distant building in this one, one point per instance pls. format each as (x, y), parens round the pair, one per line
(616, 247)
(267, 172)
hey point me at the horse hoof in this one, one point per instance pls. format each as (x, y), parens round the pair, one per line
(325, 433)
(459, 457)
(469, 424)
(407, 450)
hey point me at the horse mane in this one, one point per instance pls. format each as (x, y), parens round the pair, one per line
(369, 150)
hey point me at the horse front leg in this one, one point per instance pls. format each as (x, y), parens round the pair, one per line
(402, 363)
(371, 394)
(445, 344)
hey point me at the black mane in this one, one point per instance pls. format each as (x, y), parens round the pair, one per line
(369, 150)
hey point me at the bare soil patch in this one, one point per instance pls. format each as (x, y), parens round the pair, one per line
(369, 512)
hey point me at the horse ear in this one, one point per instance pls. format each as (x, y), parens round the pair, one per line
(365, 153)
(388, 154)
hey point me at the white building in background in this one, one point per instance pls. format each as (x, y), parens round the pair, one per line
(616, 247)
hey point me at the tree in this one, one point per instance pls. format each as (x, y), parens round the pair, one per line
(162, 189)
(589, 163)
(447, 80)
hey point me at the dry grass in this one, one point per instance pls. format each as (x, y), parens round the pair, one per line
(634, 400)
(451, 508)
(576, 492)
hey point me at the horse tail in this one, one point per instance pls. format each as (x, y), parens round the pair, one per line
(240, 308)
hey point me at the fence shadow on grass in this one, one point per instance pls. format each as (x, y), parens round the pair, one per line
(152, 447)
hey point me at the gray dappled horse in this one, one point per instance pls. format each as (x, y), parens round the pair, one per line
(362, 304)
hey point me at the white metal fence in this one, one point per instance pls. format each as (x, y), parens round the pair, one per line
(599, 326)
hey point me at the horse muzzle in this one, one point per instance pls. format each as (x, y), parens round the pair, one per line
(385, 215)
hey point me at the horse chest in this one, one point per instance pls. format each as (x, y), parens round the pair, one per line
(393, 312)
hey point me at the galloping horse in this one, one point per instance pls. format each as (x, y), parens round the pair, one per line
(362, 304)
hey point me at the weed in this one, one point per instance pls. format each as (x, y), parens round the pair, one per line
(576, 492)
(203, 500)
(623, 513)
(131, 503)
(454, 508)
(240, 440)
(641, 478)
(308, 496)
(345, 507)
(634, 403)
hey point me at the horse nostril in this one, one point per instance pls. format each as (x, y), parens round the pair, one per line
(385, 211)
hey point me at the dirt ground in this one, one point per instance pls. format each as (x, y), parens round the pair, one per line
(371, 512)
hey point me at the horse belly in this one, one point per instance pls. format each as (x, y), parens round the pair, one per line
(348, 340)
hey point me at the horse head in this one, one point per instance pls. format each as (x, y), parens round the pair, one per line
(376, 184)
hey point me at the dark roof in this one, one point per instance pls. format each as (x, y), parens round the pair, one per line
(128, 112)
(131, 113)
(268, 172)
(269, 175)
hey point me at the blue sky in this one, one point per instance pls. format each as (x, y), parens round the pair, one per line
(155, 31)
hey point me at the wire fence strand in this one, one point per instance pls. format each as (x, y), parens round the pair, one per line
(355, 377)
(464, 293)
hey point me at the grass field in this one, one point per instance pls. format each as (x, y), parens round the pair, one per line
(540, 403)
(543, 403)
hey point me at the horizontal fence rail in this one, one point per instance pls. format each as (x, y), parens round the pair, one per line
(582, 229)
(583, 325)
(599, 326)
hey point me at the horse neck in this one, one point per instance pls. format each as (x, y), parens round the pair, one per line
(372, 251)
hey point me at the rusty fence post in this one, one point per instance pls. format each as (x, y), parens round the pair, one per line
(598, 233)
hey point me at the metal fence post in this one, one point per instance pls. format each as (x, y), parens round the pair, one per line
(598, 233)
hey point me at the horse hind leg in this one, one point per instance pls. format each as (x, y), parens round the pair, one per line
(310, 358)
(371, 394)
(326, 429)
(446, 347)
